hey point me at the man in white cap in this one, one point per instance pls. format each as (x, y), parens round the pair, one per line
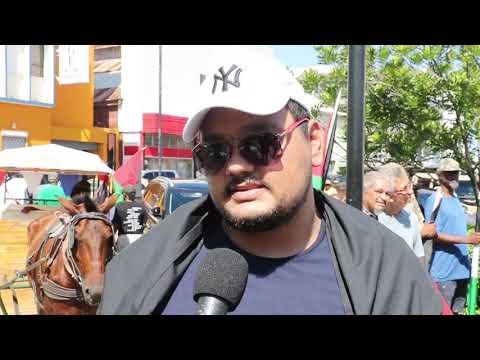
(307, 253)
(450, 266)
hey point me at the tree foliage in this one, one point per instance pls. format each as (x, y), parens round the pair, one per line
(408, 90)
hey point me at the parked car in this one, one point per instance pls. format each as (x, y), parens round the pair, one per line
(465, 192)
(163, 195)
(148, 175)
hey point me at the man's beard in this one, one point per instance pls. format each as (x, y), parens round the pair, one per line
(266, 222)
(450, 185)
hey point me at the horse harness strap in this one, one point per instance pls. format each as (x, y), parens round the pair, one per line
(71, 265)
(58, 292)
(63, 234)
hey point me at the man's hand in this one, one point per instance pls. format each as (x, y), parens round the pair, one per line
(429, 231)
(474, 238)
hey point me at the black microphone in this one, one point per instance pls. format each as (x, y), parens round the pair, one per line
(220, 282)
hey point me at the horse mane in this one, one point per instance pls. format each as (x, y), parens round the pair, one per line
(85, 199)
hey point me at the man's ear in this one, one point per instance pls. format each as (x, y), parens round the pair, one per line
(315, 133)
(71, 208)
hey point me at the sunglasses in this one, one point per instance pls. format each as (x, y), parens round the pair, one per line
(258, 150)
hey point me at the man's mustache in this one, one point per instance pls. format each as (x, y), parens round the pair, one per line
(237, 180)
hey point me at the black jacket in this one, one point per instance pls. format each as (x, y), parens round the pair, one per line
(376, 271)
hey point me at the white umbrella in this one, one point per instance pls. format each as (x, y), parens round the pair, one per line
(52, 158)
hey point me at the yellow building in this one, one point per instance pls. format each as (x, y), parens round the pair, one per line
(45, 98)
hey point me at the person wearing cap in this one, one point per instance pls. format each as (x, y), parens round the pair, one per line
(450, 266)
(396, 217)
(129, 219)
(375, 193)
(307, 253)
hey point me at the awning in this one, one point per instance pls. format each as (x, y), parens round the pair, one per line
(107, 95)
(52, 158)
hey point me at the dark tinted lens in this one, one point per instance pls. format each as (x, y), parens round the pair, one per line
(259, 149)
(211, 157)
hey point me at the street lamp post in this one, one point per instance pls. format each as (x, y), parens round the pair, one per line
(159, 108)
(355, 145)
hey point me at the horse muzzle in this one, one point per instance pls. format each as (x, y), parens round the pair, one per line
(92, 295)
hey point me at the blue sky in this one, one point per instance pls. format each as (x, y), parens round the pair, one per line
(296, 55)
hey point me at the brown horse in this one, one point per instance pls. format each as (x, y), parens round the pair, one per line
(67, 254)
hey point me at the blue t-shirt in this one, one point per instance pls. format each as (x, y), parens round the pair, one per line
(449, 262)
(303, 284)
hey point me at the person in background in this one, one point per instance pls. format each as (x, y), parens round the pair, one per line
(428, 230)
(341, 194)
(395, 217)
(329, 189)
(81, 188)
(49, 193)
(130, 219)
(450, 266)
(375, 193)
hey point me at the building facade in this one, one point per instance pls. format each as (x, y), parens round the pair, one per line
(46, 96)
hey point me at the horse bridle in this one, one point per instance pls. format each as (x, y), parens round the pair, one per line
(66, 233)
(75, 271)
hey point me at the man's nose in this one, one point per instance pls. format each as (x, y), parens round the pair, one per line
(237, 165)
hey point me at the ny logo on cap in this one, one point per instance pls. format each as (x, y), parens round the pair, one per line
(224, 78)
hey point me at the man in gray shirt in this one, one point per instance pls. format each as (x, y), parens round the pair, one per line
(399, 220)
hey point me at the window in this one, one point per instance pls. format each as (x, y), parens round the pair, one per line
(182, 145)
(38, 59)
(151, 139)
(27, 73)
(3, 66)
(169, 141)
(17, 72)
(41, 76)
(13, 139)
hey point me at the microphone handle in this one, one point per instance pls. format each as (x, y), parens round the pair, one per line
(210, 305)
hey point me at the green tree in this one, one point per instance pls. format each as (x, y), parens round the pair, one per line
(408, 88)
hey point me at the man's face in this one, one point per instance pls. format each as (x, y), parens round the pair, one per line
(449, 179)
(375, 198)
(402, 192)
(258, 198)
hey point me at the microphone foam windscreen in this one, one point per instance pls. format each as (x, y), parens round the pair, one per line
(223, 274)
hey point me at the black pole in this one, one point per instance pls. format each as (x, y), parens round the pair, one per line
(355, 144)
(159, 109)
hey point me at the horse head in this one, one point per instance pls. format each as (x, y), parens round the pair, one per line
(91, 246)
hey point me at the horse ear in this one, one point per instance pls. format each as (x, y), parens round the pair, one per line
(107, 204)
(71, 208)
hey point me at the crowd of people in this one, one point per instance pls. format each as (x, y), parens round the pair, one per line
(307, 253)
(438, 236)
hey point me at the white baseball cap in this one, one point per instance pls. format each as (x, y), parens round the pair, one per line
(243, 79)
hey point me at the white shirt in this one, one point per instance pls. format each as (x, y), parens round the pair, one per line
(405, 224)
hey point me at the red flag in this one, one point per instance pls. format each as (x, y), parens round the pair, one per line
(3, 175)
(128, 173)
(319, 173)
